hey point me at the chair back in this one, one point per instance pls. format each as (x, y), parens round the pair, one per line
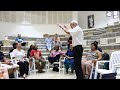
(114, 59)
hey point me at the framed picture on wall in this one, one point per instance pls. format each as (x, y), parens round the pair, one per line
(91, 21)
(108, 13)
(115, 14)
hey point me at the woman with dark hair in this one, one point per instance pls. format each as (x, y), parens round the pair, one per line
(69, 41)
(29, 50)
(14, 47)
(92, 57)
(55, 55)
(19, 54)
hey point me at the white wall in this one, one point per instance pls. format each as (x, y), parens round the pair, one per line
(8, 29)
(100, 19)
(34, 30)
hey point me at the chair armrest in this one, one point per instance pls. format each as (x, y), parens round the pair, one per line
(101, 61)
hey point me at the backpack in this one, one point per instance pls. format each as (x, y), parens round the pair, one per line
(105, 56)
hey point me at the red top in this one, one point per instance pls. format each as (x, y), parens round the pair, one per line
(35, 53)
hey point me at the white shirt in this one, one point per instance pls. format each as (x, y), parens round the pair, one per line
(18, 54)
(77, 36)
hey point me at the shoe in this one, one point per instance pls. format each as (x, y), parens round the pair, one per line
(40, 71)
(72, 71)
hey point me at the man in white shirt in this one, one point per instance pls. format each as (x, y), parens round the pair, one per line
(77, 41)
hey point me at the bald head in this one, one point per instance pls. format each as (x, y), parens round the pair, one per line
(73, 24)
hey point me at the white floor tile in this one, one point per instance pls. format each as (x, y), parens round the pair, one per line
(51, 75)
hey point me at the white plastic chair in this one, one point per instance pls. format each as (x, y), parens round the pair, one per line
(93, 68)
(114, 64)
(62, 59)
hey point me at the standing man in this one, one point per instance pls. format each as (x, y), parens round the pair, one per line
(77, 40)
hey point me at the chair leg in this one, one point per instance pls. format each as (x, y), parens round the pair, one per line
(91, 74)
(16, 74)
(59, 67)
(95, 76)
(29, 69)
(63, 69)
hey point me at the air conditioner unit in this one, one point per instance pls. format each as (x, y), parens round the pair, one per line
(103, 41)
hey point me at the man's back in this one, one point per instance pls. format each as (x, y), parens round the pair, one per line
(77, 36)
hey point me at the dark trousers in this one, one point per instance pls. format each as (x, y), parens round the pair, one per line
(54, 59)
(24, 67)
(78, 51)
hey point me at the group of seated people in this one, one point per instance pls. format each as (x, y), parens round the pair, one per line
(51, 43)
(55, 57)
(18, 53)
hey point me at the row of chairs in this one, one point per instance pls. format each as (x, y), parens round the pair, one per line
(48, 65)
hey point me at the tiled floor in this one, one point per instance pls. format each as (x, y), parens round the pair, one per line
(51, 75)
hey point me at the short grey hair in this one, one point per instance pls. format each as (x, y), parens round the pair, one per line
(73, 21)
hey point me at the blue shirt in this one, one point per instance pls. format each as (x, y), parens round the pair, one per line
(69, 53)
(48, 40)
(19, 40)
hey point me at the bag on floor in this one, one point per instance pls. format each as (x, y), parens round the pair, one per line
(55, 68)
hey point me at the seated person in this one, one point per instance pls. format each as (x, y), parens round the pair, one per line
(98, 47)
(69, 41)
(56, 43)
(29, 50)
(92, 57)
(14, 47)
(7, 63)
(28, 54)
(48, 42)
(4, 73)
(55, 55)
(69, 61)
(56, 37)
(19, 39)
(38, 58)
(19, 54)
